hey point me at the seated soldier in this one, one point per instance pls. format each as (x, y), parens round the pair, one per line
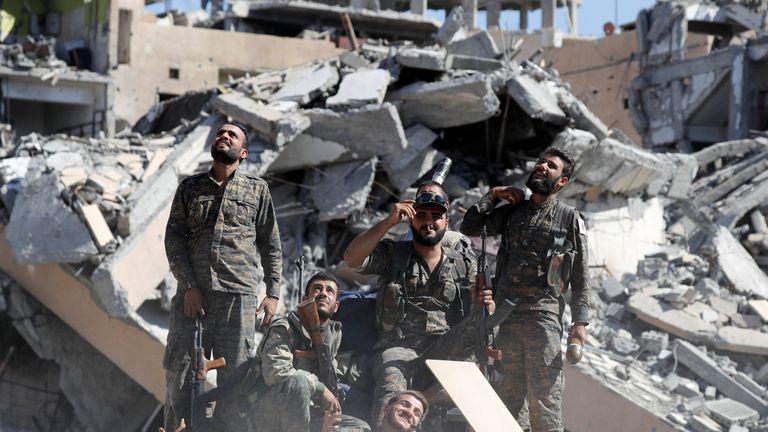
(279, 387)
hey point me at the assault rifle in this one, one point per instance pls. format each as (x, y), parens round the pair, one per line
(487, 353)
(199, 372)
(325, 370)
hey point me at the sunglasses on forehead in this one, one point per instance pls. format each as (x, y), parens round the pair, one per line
(429, 197)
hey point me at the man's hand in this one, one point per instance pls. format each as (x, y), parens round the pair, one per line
(483, 298)
(578, 331)
(510, 194)
(330, 403)
(400, 211)
(193, 302)
(269, 306)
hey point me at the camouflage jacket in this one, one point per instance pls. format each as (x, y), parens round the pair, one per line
(435, 301)
(522, 261)
(224, 239)
(275, 358)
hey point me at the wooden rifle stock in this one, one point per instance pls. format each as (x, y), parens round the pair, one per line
(311, 321)
(199, 371)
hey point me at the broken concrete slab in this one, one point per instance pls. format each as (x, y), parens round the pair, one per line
(746, 340)
(424, 58)
(725, 307)
(480, 44)
(404, 168)
(728, 412)
(342, 189)
(702, 423)
(674, 321)
(43, 229)
(60, 160)
(96, 223)
(360, 88)
(470, 62)
(453, 27)
(535, 99)
(304, 87)
(271, 125)
(703, 366)
(759, 307)
(446, 104)
(738, 266)
(367, 131)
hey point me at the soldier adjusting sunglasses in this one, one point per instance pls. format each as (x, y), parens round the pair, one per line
(430, 198)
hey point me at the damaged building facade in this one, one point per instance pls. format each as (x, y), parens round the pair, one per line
(677, 228)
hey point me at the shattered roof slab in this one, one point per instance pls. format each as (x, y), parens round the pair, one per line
(384, 23)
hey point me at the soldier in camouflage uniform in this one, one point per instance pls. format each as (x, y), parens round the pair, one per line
(279, 384)
(535, 234)
(221, 223)
(422, 288)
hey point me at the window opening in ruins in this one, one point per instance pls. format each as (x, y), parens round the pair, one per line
(173, 73)
(125, 17)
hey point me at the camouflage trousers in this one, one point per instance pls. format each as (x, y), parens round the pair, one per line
(533, 369)
(229, 329)
(402, 367)
(286, 407)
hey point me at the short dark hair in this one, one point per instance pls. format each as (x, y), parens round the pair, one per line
(323, 275)
(568, 164)
(432, 183)
(241, 127)
(417, 394)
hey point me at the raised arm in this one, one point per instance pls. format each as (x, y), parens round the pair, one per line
(363, 245)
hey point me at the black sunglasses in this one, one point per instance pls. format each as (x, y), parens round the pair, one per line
(429, 197)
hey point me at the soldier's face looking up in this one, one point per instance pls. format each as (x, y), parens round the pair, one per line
(429, 224)
(402, 415)
(229, 145)
(325, 293)
(547, 176)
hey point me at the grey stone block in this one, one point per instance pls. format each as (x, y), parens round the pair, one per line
(728, 412)
(271, 125)
(535, 99)
(369, 130)
(613, 290)
(342, 189)
(452, 28)
(446, 104)
(43, 229)
(469, 62)
(359, 89)
(308, 84)
(423, 58)
(480, 44)
(404, 168)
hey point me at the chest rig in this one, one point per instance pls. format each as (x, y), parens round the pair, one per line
(536, 257)
(407, 304)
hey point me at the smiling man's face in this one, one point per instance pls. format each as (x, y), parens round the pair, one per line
(402, 415)
(547, 176)
(325, 293)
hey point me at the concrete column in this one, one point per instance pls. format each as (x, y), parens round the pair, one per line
(470, 12)
(492, 14)
(548, 13)
(524, 18)
(418, 7)
(574, 15)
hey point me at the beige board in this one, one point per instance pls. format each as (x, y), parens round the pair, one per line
(473, 396)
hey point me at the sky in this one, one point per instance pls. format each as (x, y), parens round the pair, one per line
(592, 14)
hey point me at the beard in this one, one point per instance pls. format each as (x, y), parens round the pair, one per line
(323, 314)
(225, 156)
(427, 241)
(542, 186)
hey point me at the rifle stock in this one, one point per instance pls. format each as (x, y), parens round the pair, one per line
(199, 372)
(322, 352)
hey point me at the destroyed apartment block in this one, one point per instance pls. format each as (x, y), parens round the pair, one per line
(340, 139)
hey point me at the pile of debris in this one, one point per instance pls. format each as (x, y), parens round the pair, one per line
(340, 140)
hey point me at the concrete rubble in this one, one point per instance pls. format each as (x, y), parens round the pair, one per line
(677, 230)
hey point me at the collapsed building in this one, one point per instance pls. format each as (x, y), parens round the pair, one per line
(677, 231)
